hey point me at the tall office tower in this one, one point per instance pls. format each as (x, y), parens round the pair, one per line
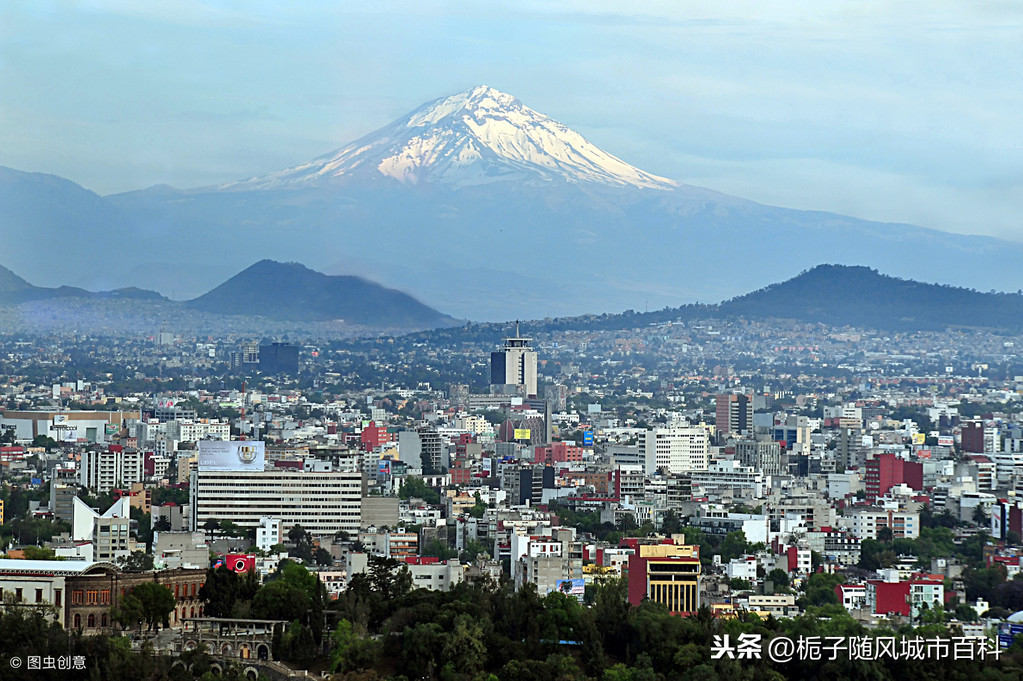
(734, 414)
(278, 358)
(514, 365)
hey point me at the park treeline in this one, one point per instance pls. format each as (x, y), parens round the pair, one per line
(382, 628)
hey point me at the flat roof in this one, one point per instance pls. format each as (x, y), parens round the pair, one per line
(13, 566)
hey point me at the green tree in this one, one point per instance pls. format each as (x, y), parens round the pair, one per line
(36, 553)
(219, 592)
(211, 526)
(414, 487)
(473, 549)
(157, 603)
(281, 600)
(230, 529)
(464, 647)
(820, 589)
(733, 546)
(478, 509)
(779, 577)
(137, 561)
(129, 613)
(438, 549)
(671, 524)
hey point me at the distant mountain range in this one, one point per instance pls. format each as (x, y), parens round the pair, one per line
(269, 292)
(15, 290)
(862, 297)
(282, 292)
(835, 295)
(475, 204)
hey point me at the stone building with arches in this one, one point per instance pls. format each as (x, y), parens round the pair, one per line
(238, 639)
(92, 595)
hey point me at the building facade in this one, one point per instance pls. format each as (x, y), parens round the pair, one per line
(321, 502)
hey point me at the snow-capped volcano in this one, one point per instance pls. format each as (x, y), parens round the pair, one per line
(471, 138)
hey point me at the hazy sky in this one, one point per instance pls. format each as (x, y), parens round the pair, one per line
(904, 111)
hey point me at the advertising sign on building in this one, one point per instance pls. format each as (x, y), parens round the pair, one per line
(240, 562)
(62, 430)
(572, 587)
(946, 441)
(587, 438)
(522, 433)
(215, 455)
(919, 438)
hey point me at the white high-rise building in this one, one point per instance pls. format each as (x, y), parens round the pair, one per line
(514, 364)
(675, 450)
(321, 502)
(106, 470)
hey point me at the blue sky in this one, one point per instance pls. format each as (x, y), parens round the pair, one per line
(903, 111)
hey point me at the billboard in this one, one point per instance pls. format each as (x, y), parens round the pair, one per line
(62, 430)
(946, 441)
(247, 455)
(111, 429)
(1007, 633)
(240, 562)
(587, 438)
(521, 433)
(572, 587)
(918, 438)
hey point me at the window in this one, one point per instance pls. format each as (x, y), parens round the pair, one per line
(77, 598)
(92, 620)
(17, 594)
(104, 597)
(56, 598)
(91, 598)
(39, 595)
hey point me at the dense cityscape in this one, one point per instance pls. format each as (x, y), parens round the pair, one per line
(386, 506)
(345, 341)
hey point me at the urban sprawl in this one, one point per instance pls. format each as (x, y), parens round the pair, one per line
(525, 503)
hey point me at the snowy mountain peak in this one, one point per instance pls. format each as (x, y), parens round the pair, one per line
(474, 137)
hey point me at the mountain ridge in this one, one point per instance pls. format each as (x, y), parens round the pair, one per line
(479, 241)
(293, 292)
(833, 295)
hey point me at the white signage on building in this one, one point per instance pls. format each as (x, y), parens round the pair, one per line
(246, 455)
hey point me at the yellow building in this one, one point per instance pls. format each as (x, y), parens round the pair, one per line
(666, 573)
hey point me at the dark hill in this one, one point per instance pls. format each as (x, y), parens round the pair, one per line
(859, 296)
(14, 290)
(836, 295)
(292, 292)
(9, 281)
